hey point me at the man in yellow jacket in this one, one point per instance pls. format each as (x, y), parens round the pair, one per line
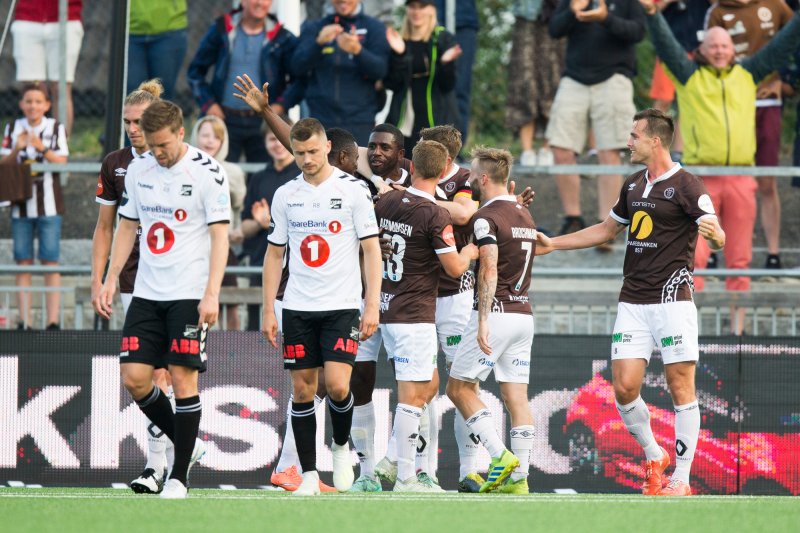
(716, 101)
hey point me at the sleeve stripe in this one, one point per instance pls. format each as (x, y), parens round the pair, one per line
(705, 217)
(226, 221)
(128, 218)
(618, 218)
(367, 237)
(447, 250)
(275, 243)
(104, 201)
(489, 239)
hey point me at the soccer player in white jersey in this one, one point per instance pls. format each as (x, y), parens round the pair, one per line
(110, 187)
(180, 197)
(322, 218)
(666, 209)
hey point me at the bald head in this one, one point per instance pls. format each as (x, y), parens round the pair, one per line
(717, 47)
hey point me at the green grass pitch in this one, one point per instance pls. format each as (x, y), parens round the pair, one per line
(87, 510)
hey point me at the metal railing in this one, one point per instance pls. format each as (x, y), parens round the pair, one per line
(593, 311)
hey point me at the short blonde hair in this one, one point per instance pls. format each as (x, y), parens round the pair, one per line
(494, 162)
(429, 159)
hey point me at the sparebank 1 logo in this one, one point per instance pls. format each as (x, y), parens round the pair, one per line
(641, 225)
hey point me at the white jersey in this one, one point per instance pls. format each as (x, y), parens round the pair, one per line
(322, 226)
(175, 206)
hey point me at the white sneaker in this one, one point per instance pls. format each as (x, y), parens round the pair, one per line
(412, 484)
(545, 157)
(343, 474)
(174, 490)
(309, 486)
(149, 482)
(386, 470)
(528, 158)
(197, 453)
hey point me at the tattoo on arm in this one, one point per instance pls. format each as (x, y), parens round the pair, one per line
(487, 280)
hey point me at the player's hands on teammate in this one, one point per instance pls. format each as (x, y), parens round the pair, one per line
(258, 100)
(525, 198)
(208, 309)
(712, 232)
(369, 321)
(385, 243)
(483, 337)
(105, 299)
(544, 244)
(471, 251)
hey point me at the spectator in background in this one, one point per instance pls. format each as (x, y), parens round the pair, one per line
(686, 19)
(211, 136)
(37, 138)
(344, 55)
(156, 43)
(466, 26)
(751, 25)
(37, 46)
(422, 73)
(717, 100)
(596, 87)
(254, 229)
(534, 70)
(246, 40)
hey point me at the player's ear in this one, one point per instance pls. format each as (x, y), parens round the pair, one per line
(411, 168)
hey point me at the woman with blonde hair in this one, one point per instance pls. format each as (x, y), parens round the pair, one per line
(422, 74)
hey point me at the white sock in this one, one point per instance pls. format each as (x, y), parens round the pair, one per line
(424, 441)
(636, 417)
(288, 457)
(406, 428)
(391, 448)
(156, 448)
(521, 446)
(433, 442)
(482, 426)
(467, 448)
(363, 434)
(687, 429)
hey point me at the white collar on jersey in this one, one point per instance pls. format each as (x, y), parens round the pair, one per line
(137, 155)
(665, 176)
(401, 179)
(450, 174)
(423, 194)
(502, 197)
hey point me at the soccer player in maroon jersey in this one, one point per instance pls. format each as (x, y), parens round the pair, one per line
(665, 209)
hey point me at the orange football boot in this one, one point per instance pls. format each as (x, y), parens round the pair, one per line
(676, 488)
(289, 479)
(653, 481)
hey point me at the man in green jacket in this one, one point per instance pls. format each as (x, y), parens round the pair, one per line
(716, 102)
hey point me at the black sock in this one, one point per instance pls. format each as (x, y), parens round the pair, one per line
(187, 423)
(341, 418)
(304, 425)
(155, 405)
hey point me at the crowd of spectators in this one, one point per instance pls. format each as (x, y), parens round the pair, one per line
(570, 75)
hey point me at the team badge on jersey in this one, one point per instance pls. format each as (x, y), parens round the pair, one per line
(186, 190)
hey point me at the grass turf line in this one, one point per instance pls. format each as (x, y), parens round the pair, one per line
(87, 510)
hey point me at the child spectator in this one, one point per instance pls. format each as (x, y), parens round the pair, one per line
(37, 139)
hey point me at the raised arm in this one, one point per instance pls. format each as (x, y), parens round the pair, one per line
(777, 53)
(258, 100)
(668, 49)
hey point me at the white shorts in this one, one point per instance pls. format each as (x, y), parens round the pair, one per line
(510, 336)
(452, 315)
(369, 349)
(127, 298)
(670, 326)
(413, 348)
(37, 49)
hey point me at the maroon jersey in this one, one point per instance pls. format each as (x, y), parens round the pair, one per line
(419, 230)
(662, 217)
(450, 187)
(509, 225)
(110, 186)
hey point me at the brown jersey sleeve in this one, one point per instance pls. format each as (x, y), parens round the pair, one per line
(107, 192)
(441, 232)
(485, 230)
(694, 199)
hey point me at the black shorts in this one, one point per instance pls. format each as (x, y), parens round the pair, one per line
(163, 333)
(311, 338)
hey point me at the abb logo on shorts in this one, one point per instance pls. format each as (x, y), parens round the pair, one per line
(186, 346)
(294, 351)
(129, 344)
(346, 345)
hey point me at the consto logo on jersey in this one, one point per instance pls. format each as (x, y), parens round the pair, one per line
(315, 250)
(641, 225)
